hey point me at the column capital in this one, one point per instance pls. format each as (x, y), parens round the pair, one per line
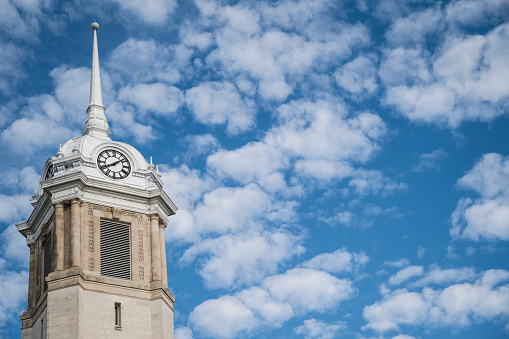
(58, 204)
(153, 217)
(76, 201)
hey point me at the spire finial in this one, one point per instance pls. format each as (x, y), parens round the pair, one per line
(60, 153)
(96, 124)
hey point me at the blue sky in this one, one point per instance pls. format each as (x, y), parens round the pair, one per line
(341, 168)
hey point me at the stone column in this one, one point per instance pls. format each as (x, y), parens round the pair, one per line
(75, 233)
(164, 270)
(155, 247)
(59, 236)
(31, 278)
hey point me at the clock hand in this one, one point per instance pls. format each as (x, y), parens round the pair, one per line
(113, 163)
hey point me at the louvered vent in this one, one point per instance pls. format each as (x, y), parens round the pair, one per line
(47, 261)
(115, 249)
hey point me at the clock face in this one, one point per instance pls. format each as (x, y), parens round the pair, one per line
(50, 172)
(114, 164)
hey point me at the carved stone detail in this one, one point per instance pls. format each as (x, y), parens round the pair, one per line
(141, 272)
(141, 255)
(116, 212)
(91, 236)
(90, 264)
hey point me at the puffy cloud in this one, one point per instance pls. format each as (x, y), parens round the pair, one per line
(324, 291)
(183, 333)
(147, 61)
(150, 11)
(313, 328)
(11, 70)
(21, 19)
(398, 263)
(323, 140)
(415, 27)
(372, 181)
(123, 124)
(15, 208)
(406, 274)
(225, 317)
(456, 305)
(485, 217)
(14, 246)
(465, 82)
(14, 286)
(276, 57)
(274, 302)
(446, 276)
(157, 98)
(214, 103)
(234, 260)
(254, 162)
(475, 12)
(358, 76)
(338, 261)
(24, 180)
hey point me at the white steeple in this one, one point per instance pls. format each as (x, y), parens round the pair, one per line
(96, 124)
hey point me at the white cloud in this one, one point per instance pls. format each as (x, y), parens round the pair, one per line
(324, 291)
(124, 124)
(21, 19)
(430, 160)
(457, 305)
(214, 103)
(15, 208)
(420, 251)
(201, 144)
(398, 308)
(24, 180)
(254, 162)
(406, 274)
(403, 336)
(183, 333)
(150, 11)
(313, 328)
(14, 286)
(323, 140)
(475, 12)
(247, 258)
(415, 27)
(398, 263)
(358, 76)
(157, 98)
(400, 66)
(261, 44)
(338, 261)
(277, 300)
(11, 70)
(14, 247)
(225, 317)
(465, 82)
(72, 90)
(146, 61)
(374, 182)
(447, 276)
(485, 217)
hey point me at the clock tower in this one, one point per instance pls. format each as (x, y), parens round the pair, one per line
(96, 238)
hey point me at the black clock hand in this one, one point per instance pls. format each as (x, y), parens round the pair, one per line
(113, 163)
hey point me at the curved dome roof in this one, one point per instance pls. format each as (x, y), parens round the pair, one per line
(88, 145)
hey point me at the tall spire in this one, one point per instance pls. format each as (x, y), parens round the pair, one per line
(96, 124)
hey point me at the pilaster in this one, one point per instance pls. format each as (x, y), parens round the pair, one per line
(156, 247)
